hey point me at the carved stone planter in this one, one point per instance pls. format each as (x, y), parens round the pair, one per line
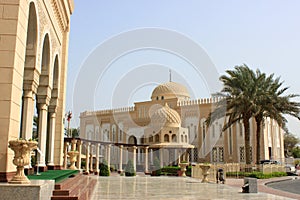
(22, 149)
(73, 158)
(183, 168)
(205, 173)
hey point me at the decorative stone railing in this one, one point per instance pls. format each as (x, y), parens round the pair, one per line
(77, 148)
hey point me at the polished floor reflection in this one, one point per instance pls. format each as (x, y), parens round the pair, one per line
(143, 187)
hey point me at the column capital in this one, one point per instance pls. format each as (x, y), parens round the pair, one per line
(43, 106)
(52, 108)
(121, 146)
(30, 85)
(134, 147)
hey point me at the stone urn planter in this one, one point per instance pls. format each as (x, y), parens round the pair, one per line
(183, 168)
(22, 149)
(205, 173)
(73, 158)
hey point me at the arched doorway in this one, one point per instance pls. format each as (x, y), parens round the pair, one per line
(30, 77)
(43, 100)
(52, 114)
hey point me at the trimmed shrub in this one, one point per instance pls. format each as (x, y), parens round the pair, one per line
(170, 170)
(258, 175)
(129, 169)
(157, 169)
(104, 170)
(189, 171)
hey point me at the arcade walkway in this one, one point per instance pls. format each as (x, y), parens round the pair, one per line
(145, 187)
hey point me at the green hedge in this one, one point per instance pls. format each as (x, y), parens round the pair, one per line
(170, 170)
(173, 170)
(258, 175)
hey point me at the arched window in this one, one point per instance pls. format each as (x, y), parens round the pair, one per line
(156, 138)
(186, 139)
(166, 138)
(151, 138)
(174, 138)
(182, 138)
(162, 98)
(114, 133)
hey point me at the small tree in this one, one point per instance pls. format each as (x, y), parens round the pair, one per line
(129, 169)
(104, 170)
(157, 169)
(290, 142)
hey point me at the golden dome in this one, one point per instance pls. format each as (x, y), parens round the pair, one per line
(170, 90)
(166, 116)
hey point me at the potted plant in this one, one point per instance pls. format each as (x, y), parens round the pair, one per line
(73, 158)
(205, 167)
(22, 149)
(183, 166)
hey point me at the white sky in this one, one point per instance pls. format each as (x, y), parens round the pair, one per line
(262, 34)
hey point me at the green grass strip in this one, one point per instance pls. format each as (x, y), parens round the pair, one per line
(56, 175)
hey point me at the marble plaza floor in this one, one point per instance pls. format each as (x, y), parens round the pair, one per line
(146, 187)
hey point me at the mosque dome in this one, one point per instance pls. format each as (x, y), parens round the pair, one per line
(166, 116)
(170, 90)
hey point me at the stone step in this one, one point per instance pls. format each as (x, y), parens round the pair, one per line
(79, 187)
(68, 182)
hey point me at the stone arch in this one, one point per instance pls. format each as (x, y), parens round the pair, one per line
(31, 75)
(45, 80)
(55, 86)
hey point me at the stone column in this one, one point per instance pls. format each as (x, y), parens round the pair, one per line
(27, 115)
(97, 159)
(108, 155)
(43, 112)
(179, 156)
(139, 156)
(151, 156)
(134, 157)
(66, 144)
(146, 160)
(51, 139)
(79, 149)
(121, 158)
(91, 158)
(161, 157)
(87, 160)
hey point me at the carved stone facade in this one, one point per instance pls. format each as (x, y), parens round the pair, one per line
(33, 65)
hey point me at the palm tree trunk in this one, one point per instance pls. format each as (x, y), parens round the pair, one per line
(258, 132)
(247, 140)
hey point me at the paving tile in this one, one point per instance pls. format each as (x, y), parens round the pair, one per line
(146, 187)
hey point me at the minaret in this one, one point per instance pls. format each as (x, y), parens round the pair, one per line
(170, 74)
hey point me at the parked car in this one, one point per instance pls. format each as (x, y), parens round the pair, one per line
(263, 162)
(290, 169)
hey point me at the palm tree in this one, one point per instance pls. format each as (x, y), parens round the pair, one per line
(269, 102)
(248, 94)
(237, 104)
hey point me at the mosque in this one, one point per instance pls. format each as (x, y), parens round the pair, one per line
(171, 127)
